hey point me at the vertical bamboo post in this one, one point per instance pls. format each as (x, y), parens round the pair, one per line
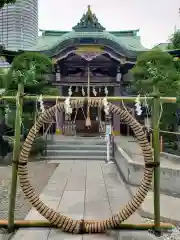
(156, 147)
(161, 141)
(151, 141)
(16, 150)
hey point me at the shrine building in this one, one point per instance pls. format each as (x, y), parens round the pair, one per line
(90, 61)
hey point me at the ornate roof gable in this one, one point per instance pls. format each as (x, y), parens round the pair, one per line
(88, 23)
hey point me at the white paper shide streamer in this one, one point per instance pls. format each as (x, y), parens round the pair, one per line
(67, 106)
(7, 110)
(106, 106)
(94, 92)
(106, 91)
(138, 106)
(67, 103)
(70, 91)
(40, 100)
(147, 120)
(83, 92)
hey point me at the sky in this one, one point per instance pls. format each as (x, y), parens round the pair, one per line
(156, 19)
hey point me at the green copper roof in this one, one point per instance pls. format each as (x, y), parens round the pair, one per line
(128, 42)
(163, 46)
(89, 27)
(88, 22)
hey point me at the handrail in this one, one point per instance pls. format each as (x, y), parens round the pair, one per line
(46, 133)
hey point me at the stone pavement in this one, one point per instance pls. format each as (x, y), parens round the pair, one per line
(22, 206)
(89, 190)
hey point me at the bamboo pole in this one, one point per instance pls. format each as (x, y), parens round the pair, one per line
(46, 224)
(151, 141)
(161, 142)
(156, 147)
(16, 150)
(110, 98)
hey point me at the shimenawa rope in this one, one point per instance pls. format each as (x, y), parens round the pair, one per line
(67, 224)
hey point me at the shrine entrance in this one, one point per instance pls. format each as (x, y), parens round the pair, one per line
(97, 118)
(75, 124)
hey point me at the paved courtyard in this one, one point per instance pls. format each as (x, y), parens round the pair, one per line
(22, 205)
(82, 189)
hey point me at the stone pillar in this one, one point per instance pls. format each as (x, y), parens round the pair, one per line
(116, 119)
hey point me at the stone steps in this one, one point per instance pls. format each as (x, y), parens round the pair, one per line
(77, 148)
(70, 147)
(77, 141)
(58, 159)
(75, 152)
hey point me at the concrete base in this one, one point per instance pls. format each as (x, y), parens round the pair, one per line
(132, 172)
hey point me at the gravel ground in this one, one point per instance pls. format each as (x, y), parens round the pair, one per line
(38, 180)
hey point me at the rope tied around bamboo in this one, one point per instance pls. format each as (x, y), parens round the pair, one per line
(67, 224)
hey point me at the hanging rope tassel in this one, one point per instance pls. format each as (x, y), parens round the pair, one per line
(88, 120)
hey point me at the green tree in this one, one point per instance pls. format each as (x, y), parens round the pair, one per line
(175, 44)
(36, 64)
(3, 2)
(32, 70)
(3, 74)
(175, 40)
(157, 67)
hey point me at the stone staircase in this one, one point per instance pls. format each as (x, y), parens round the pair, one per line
(77, 148)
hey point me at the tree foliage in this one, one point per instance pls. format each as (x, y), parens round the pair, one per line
(3, 74)
(24, 61)
(31, 69)
(175, 44)
(157, 67)
(175, 40)
(3, 2)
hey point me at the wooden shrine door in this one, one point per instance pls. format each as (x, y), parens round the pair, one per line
(80, 122)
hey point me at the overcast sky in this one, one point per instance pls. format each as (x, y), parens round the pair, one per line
(156, 19)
